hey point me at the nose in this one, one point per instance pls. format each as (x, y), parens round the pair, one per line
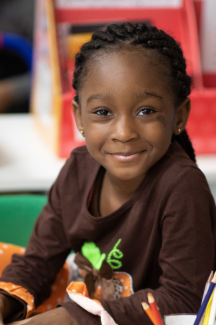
(125, 130)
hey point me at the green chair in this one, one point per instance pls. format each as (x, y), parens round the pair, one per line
(18, 214)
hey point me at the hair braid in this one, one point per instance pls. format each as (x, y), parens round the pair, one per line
(127, 36)
(184, 140)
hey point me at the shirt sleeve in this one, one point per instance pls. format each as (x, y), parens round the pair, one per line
(7, 288)
(46, 252)
(186, 257)
(22, 294)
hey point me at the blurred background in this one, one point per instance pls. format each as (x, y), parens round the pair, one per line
(38, 42)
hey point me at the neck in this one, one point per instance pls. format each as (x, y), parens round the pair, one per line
(123, 189)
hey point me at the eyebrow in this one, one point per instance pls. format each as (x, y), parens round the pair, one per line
(136, 94)
(145, 94)
(99, 96)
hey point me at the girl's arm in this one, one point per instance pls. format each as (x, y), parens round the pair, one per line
(45, 254)
(47, 250)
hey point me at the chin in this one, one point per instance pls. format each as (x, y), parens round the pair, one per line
(128, 176)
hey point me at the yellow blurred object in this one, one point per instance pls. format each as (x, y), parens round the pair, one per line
(208, 309)
(75, 41)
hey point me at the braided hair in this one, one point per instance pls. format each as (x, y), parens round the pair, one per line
(129, 36)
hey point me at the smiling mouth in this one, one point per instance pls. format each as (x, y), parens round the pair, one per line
(130, 156)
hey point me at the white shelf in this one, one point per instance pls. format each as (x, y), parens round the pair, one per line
(207, 163)
(28, 164)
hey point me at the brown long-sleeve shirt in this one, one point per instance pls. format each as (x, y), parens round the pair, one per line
(166, 233)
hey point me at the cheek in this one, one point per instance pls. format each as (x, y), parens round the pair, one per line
(158, 133)
(95, 136)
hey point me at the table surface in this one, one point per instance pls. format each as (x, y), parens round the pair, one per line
(28, 164)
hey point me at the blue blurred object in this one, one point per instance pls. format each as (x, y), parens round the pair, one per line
(20, 45)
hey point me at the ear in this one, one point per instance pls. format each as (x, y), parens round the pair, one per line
(181, 117)
(77, 115)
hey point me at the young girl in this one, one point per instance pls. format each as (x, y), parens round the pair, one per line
(134, 195)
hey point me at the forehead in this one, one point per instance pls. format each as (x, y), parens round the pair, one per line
(126, 71)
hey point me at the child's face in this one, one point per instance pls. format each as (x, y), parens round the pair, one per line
(127, 113)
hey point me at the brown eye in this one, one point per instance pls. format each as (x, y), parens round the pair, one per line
(146, 111)
(102, 112)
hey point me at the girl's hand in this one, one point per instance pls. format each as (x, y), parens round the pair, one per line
(8, 306)
(58, 316)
